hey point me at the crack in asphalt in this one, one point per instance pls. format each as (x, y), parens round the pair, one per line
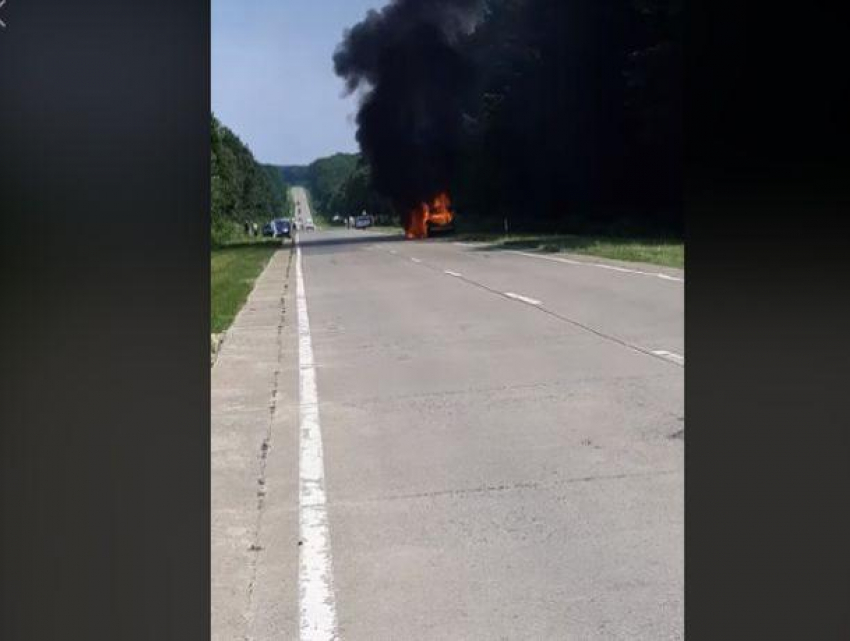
(487, 489)
(256, 547)
(571, 384)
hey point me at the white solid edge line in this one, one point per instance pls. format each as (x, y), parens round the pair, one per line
(451, 273)
(599, 265)
(318, 621)
(524, 299)
(671, 356)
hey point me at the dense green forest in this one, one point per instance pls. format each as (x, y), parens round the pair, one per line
(326, 177)
(355, 194)
(295, 174)
(561, 116)
(241, 188)
(340, 185)
(575, 123)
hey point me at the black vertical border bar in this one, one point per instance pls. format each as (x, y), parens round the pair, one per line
(767, 320)
(104, 319)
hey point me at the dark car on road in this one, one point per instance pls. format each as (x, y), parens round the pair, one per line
(282, 228)
(268, 230)
(436, 227)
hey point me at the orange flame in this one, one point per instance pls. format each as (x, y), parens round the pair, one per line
(437, 212)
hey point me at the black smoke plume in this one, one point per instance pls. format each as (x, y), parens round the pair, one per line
(408, 62)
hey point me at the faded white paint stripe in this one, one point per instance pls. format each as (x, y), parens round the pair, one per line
(451, 273)
(315, 568)
(524, 299)
(670, 356)
(615, 268)
(416, 260)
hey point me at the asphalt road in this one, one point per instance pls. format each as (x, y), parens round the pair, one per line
(500, 435)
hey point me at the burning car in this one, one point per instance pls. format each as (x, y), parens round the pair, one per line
(430, 218)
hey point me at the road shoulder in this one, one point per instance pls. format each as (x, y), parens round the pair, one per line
(254, 466)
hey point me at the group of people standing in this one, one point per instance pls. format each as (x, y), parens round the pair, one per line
(351, 221)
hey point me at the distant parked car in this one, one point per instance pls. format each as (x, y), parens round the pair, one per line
(361, 222)
(282, 228)
(309, 226)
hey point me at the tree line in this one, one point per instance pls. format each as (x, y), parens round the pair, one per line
(340, 185)
(575, 122)
(242, 189)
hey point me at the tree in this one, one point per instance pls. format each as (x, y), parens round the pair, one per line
(241, 189)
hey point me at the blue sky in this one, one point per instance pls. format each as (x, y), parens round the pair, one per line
(272, 75)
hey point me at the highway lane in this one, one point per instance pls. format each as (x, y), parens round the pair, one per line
(493, 470)
(640, 304)
(425, 440)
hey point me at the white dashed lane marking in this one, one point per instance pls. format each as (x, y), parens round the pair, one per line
(524, 299)
(670, 356)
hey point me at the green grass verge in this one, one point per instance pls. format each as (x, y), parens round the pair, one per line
(233, 270)
(666, 252)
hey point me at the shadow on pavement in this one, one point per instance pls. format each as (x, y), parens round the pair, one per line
(320, 241)
(248, 244)
(340, 241)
